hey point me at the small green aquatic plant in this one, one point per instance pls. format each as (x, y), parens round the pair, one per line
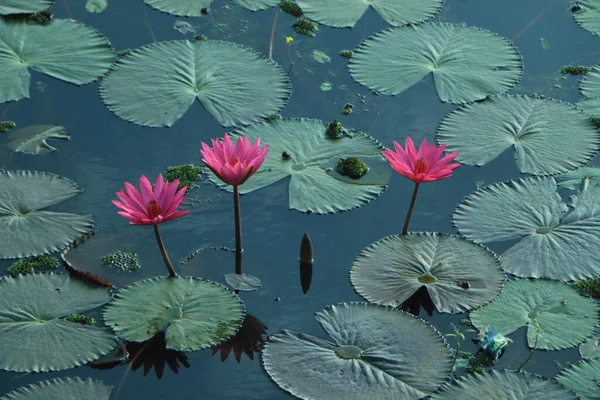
(352, 167)
(574, 70)
(346, 53)
(187, 174)
(458, 336)
(200, 37)
(6, 126)
(28, 265)
(335, 130)
(291, 7)
(347, 109)
(588, 287)
(273, 117)
(535, 343)
(81, 319)
(128, 262)
(303, 26)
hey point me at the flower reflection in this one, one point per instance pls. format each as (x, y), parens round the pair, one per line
(250, 338)
(419, 299)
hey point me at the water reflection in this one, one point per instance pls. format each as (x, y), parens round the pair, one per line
(419, 299)
(250, 338)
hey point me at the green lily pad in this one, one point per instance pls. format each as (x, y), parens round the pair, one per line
(192, 8)
(243, 282)
(62, 389)
(35, 335)
(156, 84)
(459, 275)
(64, 49)
(590, 347)
(563, 316)
(24, 6)
(255, 5)
(96, 6)
(194, 313)
(26, 230)
(33, 139)
(588, 17)
(376, 352)
(346, 13)
(467, 63)
(553, 240)
(590, 88)
(494, 385)
(575, 180)
(582, 378)
(315, 186)
(535, 127)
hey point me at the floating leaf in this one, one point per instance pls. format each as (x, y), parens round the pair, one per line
(96, 6)
(33, 139)
(590, 88)
(25, 231)
(243, 282)
(554, 241)
(193, 8)
(326, 86)
(194, 313)
(156, 84)
(24, 6)
(376, 352)
(582, 378)
(590, 347)
(345, 13)
(588, 16)
(575, 179)
(548, 136)
(467, 63)
(320, 57)
(315, 186)
(63, 389)
(255, 5)
(64, 49)
(35, 335)
(494, 385)
(564, 317)
(459, 275)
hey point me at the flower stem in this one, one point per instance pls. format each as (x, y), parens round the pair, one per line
(410, 208)
(163, 251)
(238, 220)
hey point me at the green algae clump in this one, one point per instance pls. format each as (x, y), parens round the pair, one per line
(588, 287)
(6, 126)
(305, 27)
(28, 265)
(352, 167)
(346, 53)
(187, 174)
(80, 319)
(291, 8)
(335, 130)
(573, 70)
(273, 117)
(127, 262)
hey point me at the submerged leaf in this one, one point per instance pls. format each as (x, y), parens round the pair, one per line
(346, 13)
(63, 389)
(467, 63)
(376, 352)
(458, 274)
(548, 136)
(63, 49)
(564, 318)
(96, 6)
(27, 231)
(156, 84)
(193, 313)
(24, 6)
(590, 347)
(35, 335)
(193, 8)
(33, 139)
(582, 378)
(553, 241)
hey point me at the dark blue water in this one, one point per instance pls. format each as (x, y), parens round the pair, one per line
(105, 151)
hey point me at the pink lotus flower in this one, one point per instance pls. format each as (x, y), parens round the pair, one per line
(425, 165)
(151, 206)
(234, 164)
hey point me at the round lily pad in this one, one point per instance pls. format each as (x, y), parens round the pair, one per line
(588, 16)
(156, 84)
(563, 317)
(590, 88)
(62, 389)
(25, 230)
(24, 6)
(375, 352)
(459, 275)
(553, 240)
(345, 13)
(63, 49)
(582, 378)
(194, 313)
(36, 337)
(315, 185)
(467, 63)
(534, 127)
(494, 385)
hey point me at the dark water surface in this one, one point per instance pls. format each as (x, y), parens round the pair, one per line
(105, 151)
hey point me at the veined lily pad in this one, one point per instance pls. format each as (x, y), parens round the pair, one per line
(315, 185)
(345, 13)
(548, 136)
(193, 313)
(590, 88)
(24, 6)
(459, 275)
(503, 385)
(376, 352)
(575, 180)
(564, 317)
(588, 16)
(192, 8)
(35, 335)
(64, 49)
(25, 231)
(63, 389)
(467, 63)
(33, 139)
(555, 241)
(582, 378)
(156, 84)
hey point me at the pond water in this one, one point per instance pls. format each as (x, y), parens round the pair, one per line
(105, 151)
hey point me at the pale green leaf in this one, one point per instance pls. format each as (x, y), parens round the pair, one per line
(62, 389)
